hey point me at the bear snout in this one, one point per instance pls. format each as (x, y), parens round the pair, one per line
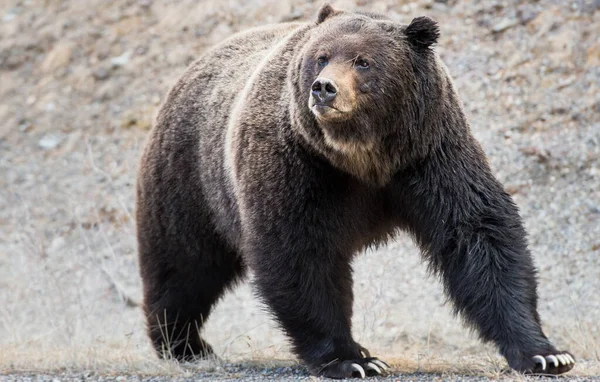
(324, 91)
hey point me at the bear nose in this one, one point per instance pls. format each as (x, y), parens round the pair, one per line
(324, 90)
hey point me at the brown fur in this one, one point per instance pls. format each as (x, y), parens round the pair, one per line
(248, 168)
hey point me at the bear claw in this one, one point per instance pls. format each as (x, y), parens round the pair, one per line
(358, 368)
(553, 363)
(355, 368)
(540, 361)
(553, 359)
(364, 352)
(374, 367)
(384, 366)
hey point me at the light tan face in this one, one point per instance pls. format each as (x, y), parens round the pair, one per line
(333, 93)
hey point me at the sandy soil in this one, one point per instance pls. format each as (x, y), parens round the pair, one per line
(81, 80)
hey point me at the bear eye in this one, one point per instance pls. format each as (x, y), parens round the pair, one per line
(322, 60)
(362, 63)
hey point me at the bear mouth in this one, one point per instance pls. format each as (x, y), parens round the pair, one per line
(322, 107)
(324, 111)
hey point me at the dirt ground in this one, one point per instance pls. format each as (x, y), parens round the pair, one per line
(81, 80)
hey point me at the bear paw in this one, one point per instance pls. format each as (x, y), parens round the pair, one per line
(557, 363)
(354, 368)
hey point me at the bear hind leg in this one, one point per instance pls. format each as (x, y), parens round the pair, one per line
(178, 297)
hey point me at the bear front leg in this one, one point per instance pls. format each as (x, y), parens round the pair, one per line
(296, 241)
(309, 289)
(470, 231)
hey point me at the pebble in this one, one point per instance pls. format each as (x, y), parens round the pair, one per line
(503, 25)
(50, 141)
(100, 73)
(25, 126)
(121, 60)
(58, 58)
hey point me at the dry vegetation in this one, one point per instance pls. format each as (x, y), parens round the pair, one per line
(80, 81)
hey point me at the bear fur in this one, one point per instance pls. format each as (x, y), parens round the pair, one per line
(288, 149)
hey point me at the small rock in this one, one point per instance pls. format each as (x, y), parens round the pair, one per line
(56, 244)
(140, 50)
(526, 16)
(512, 189)
(25, 126)
(541, 155)
(559, 110)
(565, 82)
(50, 141)
(129, 120)
(427, 4)
(59, 57)
(100, 74)
(140, 118)
(13, 59)
(121, 60)
(145, 4)
(504, 25)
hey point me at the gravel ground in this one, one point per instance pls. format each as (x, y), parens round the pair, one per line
(80, 82)
(232, 373)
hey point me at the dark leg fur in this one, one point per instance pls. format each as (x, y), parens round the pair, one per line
(301, 256)
(178, 303)
(472, 234)
(185, 268)
(312, 300)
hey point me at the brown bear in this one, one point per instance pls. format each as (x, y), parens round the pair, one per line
(288, 149)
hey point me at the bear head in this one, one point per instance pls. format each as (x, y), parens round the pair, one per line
(364, 88)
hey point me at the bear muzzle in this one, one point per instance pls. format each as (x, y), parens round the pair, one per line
(324, 100)
(324, 91)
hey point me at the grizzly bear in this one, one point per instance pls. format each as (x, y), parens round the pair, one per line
(288, 149)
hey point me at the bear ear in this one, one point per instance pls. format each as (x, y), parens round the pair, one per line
(422, 32)
(326, 12)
